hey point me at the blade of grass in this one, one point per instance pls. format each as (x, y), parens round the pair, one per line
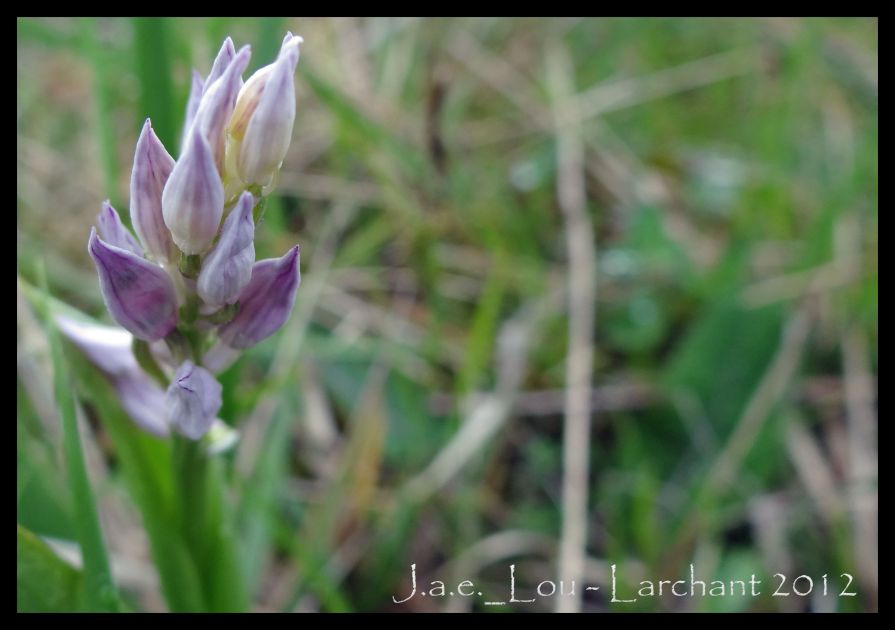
(270, 34)
(257, 508)
(101, 594)
(480, 343)
(365, 130)
(153, 61)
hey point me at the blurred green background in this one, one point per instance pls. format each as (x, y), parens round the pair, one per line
(412, 410)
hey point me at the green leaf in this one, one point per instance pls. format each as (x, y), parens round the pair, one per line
(44, 582)
(43, 504)
(723, 356)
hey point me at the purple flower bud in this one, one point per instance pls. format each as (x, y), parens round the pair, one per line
(221, 63)
(266, 302)
(138, 294)
(193, 400)
(113, 231)
(197, 88)
(193, 199)
(265, 112)
(152, 167)
(228, 268)
(217, 104)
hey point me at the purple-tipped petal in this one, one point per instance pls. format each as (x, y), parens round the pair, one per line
(109, 349)
(193, 400)
(228, 268)
(268, 131)
(216, 105)
(113, 231)
(138, 294)
(197, 88)
(152, 167)
(266, 302)
(221, 63)
(193, 199)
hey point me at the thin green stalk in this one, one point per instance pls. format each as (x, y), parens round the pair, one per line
(100, 594)
(267, 44)
(204, 525)
(203, 521)
(153, 60)
(191, 475)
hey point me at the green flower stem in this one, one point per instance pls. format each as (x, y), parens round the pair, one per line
(191, 473)
(201, 514)
(204, 525)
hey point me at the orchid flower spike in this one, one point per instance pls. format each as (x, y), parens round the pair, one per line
(186, 285)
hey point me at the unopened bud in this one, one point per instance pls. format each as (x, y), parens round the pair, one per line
(193, 199)
(228, 268)
(152, 168)
(139, 294)
(266, 302)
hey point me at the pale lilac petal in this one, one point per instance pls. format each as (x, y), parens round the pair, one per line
(251, 93)
(228, 268)
(219, 357)
(217, 105)
(193, 400)
(113, 231)
(291, 40)
(269, 129)
(193, 199)
(221, 63)
(152, 167)
(161, 351)
(139, 294)
(197, 87)
(109, 349)
(266, 302)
